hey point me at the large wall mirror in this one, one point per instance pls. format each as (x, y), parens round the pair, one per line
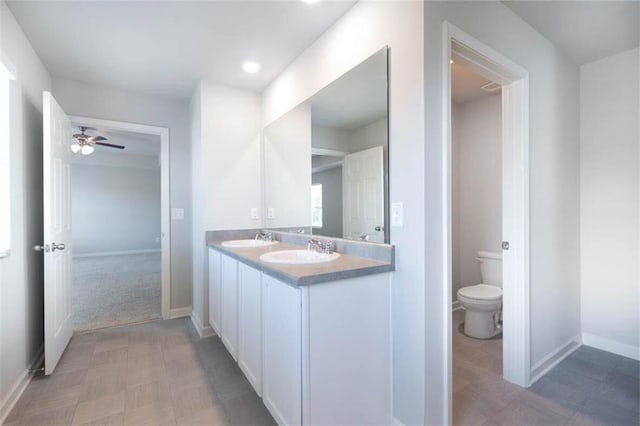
(326, 161)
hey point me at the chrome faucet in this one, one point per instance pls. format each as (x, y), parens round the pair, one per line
(321, 246)
(264, 235)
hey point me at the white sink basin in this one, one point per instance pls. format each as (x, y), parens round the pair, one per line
(298, 257)
(248, 243)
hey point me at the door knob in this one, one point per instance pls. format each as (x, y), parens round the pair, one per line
(44, 247)
(55, 246)
(377, 228)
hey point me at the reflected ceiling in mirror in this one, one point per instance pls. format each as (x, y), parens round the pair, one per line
(326, 161)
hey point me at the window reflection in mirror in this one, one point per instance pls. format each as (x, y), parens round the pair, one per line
(326, 161)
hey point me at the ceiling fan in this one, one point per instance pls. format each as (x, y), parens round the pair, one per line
(84, 143)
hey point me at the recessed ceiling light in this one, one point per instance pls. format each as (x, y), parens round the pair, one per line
(251, 67)
(310, 1)
(451, 61)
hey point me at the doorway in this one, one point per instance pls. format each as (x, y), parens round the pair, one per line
(482, 60)
(120, 216)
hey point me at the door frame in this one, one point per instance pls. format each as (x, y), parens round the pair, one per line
(165, 192)
(515, 150)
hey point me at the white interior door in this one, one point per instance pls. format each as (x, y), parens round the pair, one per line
(363, 195)
(56, 166)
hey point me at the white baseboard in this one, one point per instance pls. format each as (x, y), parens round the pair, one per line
(396, 422)
(180, 312)
(554, 358)
(14, 394)
(203, 330)
(612, 346)
(116, 253)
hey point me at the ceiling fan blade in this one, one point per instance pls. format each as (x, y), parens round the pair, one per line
(110, 145)
(96, 138)
(79, 135)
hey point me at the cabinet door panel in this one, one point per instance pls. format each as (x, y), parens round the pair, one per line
(215, 290)
(250, 325)
(282, 369)
(229, 333)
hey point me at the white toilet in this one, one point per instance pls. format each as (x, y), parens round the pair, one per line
(483, 302)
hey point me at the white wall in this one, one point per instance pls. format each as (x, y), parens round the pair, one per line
(329, 138)
(115, 209)
(369, 136)
(361, 32)
(78, 98)
(226, 172)
(477, 186)
(21, 274)
(554, 180)
(199, 266)
(287, 169)
(609, 190)
(365, 137)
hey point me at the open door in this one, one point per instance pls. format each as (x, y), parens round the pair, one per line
(363, 195)
(56, 168)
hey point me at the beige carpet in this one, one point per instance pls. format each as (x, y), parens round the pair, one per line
(116, 290)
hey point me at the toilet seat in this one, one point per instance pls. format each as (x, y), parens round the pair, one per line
(483, 292)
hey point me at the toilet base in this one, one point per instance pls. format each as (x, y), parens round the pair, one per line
(480, 325)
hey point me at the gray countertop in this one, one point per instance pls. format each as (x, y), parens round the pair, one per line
(344, 267)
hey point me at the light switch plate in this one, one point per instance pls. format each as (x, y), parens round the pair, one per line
(177, 213)
(396, 215)
(254, 213)
(271, 213)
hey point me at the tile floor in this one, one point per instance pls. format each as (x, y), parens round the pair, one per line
(162, 373)
(156, 373)
(590, 387)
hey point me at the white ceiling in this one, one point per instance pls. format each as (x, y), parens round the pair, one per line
(356, 99)
(163, 48)
(466, 85)
(584, 30)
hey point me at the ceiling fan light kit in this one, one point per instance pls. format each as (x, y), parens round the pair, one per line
(84, 144)
(87, 149)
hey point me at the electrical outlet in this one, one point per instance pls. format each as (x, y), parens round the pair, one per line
(254, 213)
(271, 213)
(177, 213)
(396, 215)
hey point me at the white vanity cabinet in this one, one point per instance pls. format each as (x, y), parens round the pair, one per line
(282, 351)
(223, 299)
(327, 351)
(229, 314)
(317, 354)
(250, 324)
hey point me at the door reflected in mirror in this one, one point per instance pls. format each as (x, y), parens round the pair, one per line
(326, 161)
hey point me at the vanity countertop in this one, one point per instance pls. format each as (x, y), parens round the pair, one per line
(346, 266)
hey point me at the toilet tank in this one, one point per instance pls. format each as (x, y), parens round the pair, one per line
(490, 267)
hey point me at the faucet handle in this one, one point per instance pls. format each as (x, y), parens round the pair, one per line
(264, 235)
(326, 246)
(329, 246)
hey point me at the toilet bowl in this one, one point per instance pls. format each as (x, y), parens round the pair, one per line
(483, 302)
